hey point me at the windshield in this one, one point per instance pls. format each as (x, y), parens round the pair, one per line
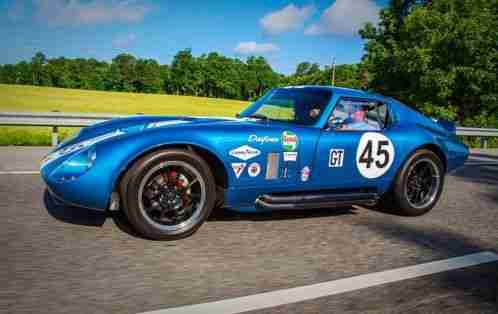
(302, 106)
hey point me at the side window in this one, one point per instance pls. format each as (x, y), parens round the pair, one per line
(359, 115)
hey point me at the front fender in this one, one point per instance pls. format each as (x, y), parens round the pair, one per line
(117, 156)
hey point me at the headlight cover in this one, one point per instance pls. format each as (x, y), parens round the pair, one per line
(76, 165)
(78, 146)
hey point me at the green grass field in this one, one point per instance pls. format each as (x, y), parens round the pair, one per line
(45, 99)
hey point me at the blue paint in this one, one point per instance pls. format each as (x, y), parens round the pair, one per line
(92, 186)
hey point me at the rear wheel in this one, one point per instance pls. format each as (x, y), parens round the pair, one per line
(418, 185)
(169, 194)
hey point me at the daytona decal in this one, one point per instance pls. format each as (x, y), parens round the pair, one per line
(336, 158)
(238, 168)
(253, 138)
(290, 156)
(374, 155)
(254, 169)
(290, 141)
(244, 152)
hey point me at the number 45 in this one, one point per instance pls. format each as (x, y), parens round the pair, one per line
(367, 157)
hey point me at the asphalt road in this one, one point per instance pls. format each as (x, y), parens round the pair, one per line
(56, 259)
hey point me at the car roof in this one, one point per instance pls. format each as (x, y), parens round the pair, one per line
(342, 91)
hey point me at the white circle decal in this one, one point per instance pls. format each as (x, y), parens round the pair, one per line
(374, 155)
(254, 169)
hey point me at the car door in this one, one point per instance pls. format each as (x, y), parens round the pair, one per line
(354, 150)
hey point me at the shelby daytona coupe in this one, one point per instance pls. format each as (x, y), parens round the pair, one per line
(295, 148)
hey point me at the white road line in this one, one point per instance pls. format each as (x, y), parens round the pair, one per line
(293, 295)
(20, 172)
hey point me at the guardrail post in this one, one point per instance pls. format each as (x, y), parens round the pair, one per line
(55, 135)
(484, 142)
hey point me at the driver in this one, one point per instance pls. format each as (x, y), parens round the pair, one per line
(357, 120)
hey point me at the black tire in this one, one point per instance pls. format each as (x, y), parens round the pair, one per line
(137, 179)
(398, 200)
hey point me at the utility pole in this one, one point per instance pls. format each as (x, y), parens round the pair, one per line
(333, 72)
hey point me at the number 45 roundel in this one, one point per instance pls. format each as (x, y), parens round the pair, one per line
(374, 155)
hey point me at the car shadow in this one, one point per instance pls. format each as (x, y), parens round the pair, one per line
(478, 173)
(86, 217)
(224, 214)
(72, 214)
(92, 218)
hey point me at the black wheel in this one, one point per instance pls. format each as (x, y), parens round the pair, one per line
(168, 194)
(418, 185)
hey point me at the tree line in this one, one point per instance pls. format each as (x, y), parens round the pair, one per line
(209, 75)
(439, 56)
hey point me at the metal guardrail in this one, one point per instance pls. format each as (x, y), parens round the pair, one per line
(58, 119)
(53, 120)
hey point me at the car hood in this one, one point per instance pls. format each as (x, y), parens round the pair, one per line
(143, 124)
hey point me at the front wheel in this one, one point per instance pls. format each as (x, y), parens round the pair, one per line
(418, 186)
(169, 194)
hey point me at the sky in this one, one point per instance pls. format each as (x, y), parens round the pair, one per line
(284, 32)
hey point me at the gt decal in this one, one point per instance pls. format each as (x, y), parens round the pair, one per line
(238, 168)
(244, 152)
(254, 169)
(374, 155)
(336, 158)
(290, 141)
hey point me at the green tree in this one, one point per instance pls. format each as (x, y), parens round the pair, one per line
(439, 56)
(122, 73)
(183, 73)
(148, 79)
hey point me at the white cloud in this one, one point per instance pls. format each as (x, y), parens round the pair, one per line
(287, 19)
(124, 41)
(251, 47)
(77, 12)
(345, 17)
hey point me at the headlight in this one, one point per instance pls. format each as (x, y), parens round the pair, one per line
(78, 146)
(76, 165)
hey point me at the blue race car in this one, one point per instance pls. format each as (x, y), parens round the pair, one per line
(295, 148)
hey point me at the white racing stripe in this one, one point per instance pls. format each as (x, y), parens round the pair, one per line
(299, 294)
(20, 172)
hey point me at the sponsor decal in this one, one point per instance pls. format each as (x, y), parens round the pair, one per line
(374, 155)
(238, 168)
(254, 169)
(290, 141)
(165, 123)
(305, 173)
(253, 138)
(336, 158)
(244, 152)
(290, 156)
(272, 166)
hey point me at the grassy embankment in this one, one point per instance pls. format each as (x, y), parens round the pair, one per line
(45, 99)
